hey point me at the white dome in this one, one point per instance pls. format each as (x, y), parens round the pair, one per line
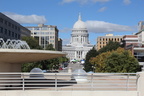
(36, 70)
(79, 24)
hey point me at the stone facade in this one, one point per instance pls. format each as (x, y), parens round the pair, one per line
(103, 40)
(46, 34)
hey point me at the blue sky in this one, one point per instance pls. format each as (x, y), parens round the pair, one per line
(118, 17)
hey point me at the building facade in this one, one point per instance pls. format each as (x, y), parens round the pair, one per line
(103, 40)
(141, 25)
(138, 51)
(46, 34)
(59, 44)
(130, 40)
(10, 29)
(25, 32)
(79, 43)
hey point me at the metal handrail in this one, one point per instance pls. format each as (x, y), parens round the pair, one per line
(67, 81)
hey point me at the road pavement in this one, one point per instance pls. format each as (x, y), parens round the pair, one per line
(73, 66)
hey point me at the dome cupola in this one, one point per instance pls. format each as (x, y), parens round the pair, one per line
(79, 24)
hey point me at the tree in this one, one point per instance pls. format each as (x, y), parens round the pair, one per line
(63, 59)
(119, 60)
(110, 46)
(99, 61)
(49, 47)
(92, 53)
(44, 64)
(32, 42)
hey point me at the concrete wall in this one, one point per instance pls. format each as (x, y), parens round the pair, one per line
(69, 93)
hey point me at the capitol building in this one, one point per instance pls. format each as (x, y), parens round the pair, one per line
(79, 43)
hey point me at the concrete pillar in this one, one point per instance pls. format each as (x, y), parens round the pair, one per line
(140, 86)
(83, 39)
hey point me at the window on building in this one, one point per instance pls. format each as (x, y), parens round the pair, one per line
(1, 20)
(44, 28)
(12, 25)
(46, 33)
(12, 34)
(51, 32)
(100, 39)
(15, 35)
(36, 28)
(5, 22)
(18, 36)
(51, 28)
(9, 24)
(5, 31)
(9, 33)
(35, 33)
(1, 30)
(16, 27)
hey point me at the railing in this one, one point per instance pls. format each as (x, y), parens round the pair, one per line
(69, 82)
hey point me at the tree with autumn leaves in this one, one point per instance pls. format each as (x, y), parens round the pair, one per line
(119, 60)
(93, 53)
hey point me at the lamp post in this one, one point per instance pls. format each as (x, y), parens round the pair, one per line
(93, 67)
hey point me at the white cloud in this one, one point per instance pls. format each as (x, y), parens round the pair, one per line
(126, 2)
(101, 26)
(84, 1)
(26, 19)
(66, 30)
(102, 9)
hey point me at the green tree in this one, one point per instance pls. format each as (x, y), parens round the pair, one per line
(121, 63)
(99, 61)
(91, 53)
(110, 46)
(63, 59)
(27, 67)
(32, 42)
(49, 47)
(119, 60)
(51, 64)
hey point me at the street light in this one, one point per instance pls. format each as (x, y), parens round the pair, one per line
(93, 67)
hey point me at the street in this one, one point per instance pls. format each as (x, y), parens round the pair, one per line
(73, 66)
